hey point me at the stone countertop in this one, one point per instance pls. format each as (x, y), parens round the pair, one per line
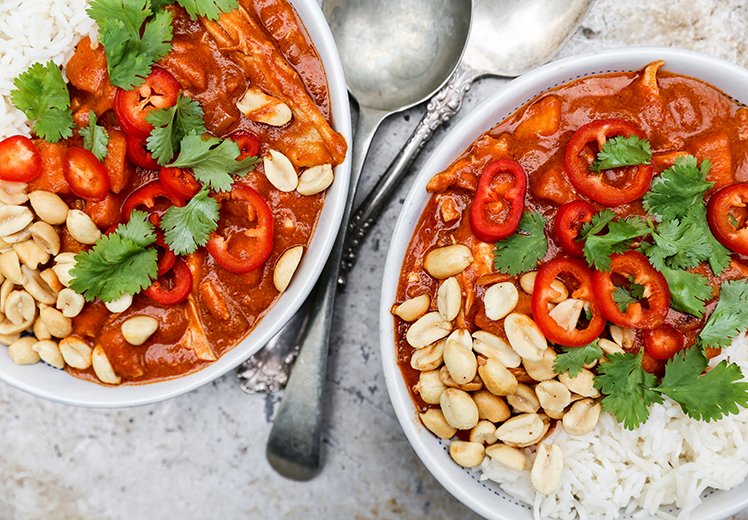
(202, 455)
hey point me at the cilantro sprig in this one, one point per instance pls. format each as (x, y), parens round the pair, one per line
(573, 359)
(133, 37)
(210, 9)
(522, 251)
(42, 95)
(730, 316)
(119, 263)
(618, 238)
(173, 124)
(622, 151)
(678, 188)
(95, 137)
(189, 227)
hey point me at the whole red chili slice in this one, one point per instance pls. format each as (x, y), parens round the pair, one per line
(244, 249)
(663, 342)
(85, 174)
(177, 291)
(634, 267)
(570, 218)
(154, 197)
(20, 160)
(499, 201)
(249, 144)
(159, 90)
(181, 183)
(727, 217)
(631, 182)
(166, 257)
(137, 152)
(543, 292)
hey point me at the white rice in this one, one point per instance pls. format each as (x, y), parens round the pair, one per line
(35, 31)
(668, 461)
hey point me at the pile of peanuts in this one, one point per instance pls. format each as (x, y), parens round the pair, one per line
(505, 393)
(36, 303)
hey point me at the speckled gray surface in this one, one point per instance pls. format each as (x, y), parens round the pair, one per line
(201, 456)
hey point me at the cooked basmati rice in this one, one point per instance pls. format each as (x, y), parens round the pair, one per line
(668, 461)
(35, 31)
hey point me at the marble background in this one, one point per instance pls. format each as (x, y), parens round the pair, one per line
(202, 455)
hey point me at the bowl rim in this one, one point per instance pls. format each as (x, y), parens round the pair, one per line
(462, 483)
(41, 380)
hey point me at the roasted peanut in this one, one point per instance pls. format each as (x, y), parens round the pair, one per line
(434, 420)
(315, 179)
(70, 303)
(49, 207)
(58, 325)
(138, 329)
(609, 347)
(37, 287)
(484, 433)
(525, 337)
(459, 409)
(521, 429)
(430, 386)
(443, 262)
(541, 370)
(21, 351)
(491, 345)
(500, 299)
(459, 358)
(428, 358)
(567, 313)
(30, 254)
(45, 236)
(13, 192)
(280, 171)
(508, 456)
(286, 267)
(497, 378)
(582, 417)
(414, 308)
(623, 336)
(427, 329)
(491, 407)
(553, 395)
(546, 469)
(14, 219)
(466, 454)
(121, 304)
(527, 282)
(49, 352)
(20, 307)
(524, 400)
(102, 368)
(76, 352)
(449, 298)
(582, 383)
(10, 266)
(81, 227)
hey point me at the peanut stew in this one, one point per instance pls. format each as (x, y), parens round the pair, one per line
(170, 204)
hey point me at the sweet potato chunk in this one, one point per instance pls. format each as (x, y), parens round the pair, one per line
(51, 177)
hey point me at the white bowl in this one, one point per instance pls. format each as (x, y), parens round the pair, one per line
(485, 497)
(44, 381)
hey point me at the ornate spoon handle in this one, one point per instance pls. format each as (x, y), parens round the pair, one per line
(445, 103)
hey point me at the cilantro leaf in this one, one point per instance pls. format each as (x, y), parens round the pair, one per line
(622, 151)
(189, 227)
(730, 316)
(212, 160)
(42, 95)
(704, 397)
(627, 388)
(573, 359)
(119, 263)
(210, 9)
(678, 244)
(598, 248)
(678, 188)
(522, 251)
(171, 125)
(624, 297)
(688, 291)
(130, 56)
(95, 138)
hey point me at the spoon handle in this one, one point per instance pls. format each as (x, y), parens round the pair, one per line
(442, 106)
(293, 447)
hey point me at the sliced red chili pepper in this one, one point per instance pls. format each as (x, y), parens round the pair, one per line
(727, 216)
(499, 201)
(20, 160)
(179, 289)
(85, 174)
(630, 182)
(166, 256)
(249, 144)
(663, 342)
(160, 90)
(241, 250)
(151, 196)
(179, 182)
(570, 218)
(137, 152)
(543, 292)
(635, 267)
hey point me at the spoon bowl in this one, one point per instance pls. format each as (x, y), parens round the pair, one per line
(395, 54)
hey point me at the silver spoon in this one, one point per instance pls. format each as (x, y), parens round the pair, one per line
(507, 38)
(395, 54)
